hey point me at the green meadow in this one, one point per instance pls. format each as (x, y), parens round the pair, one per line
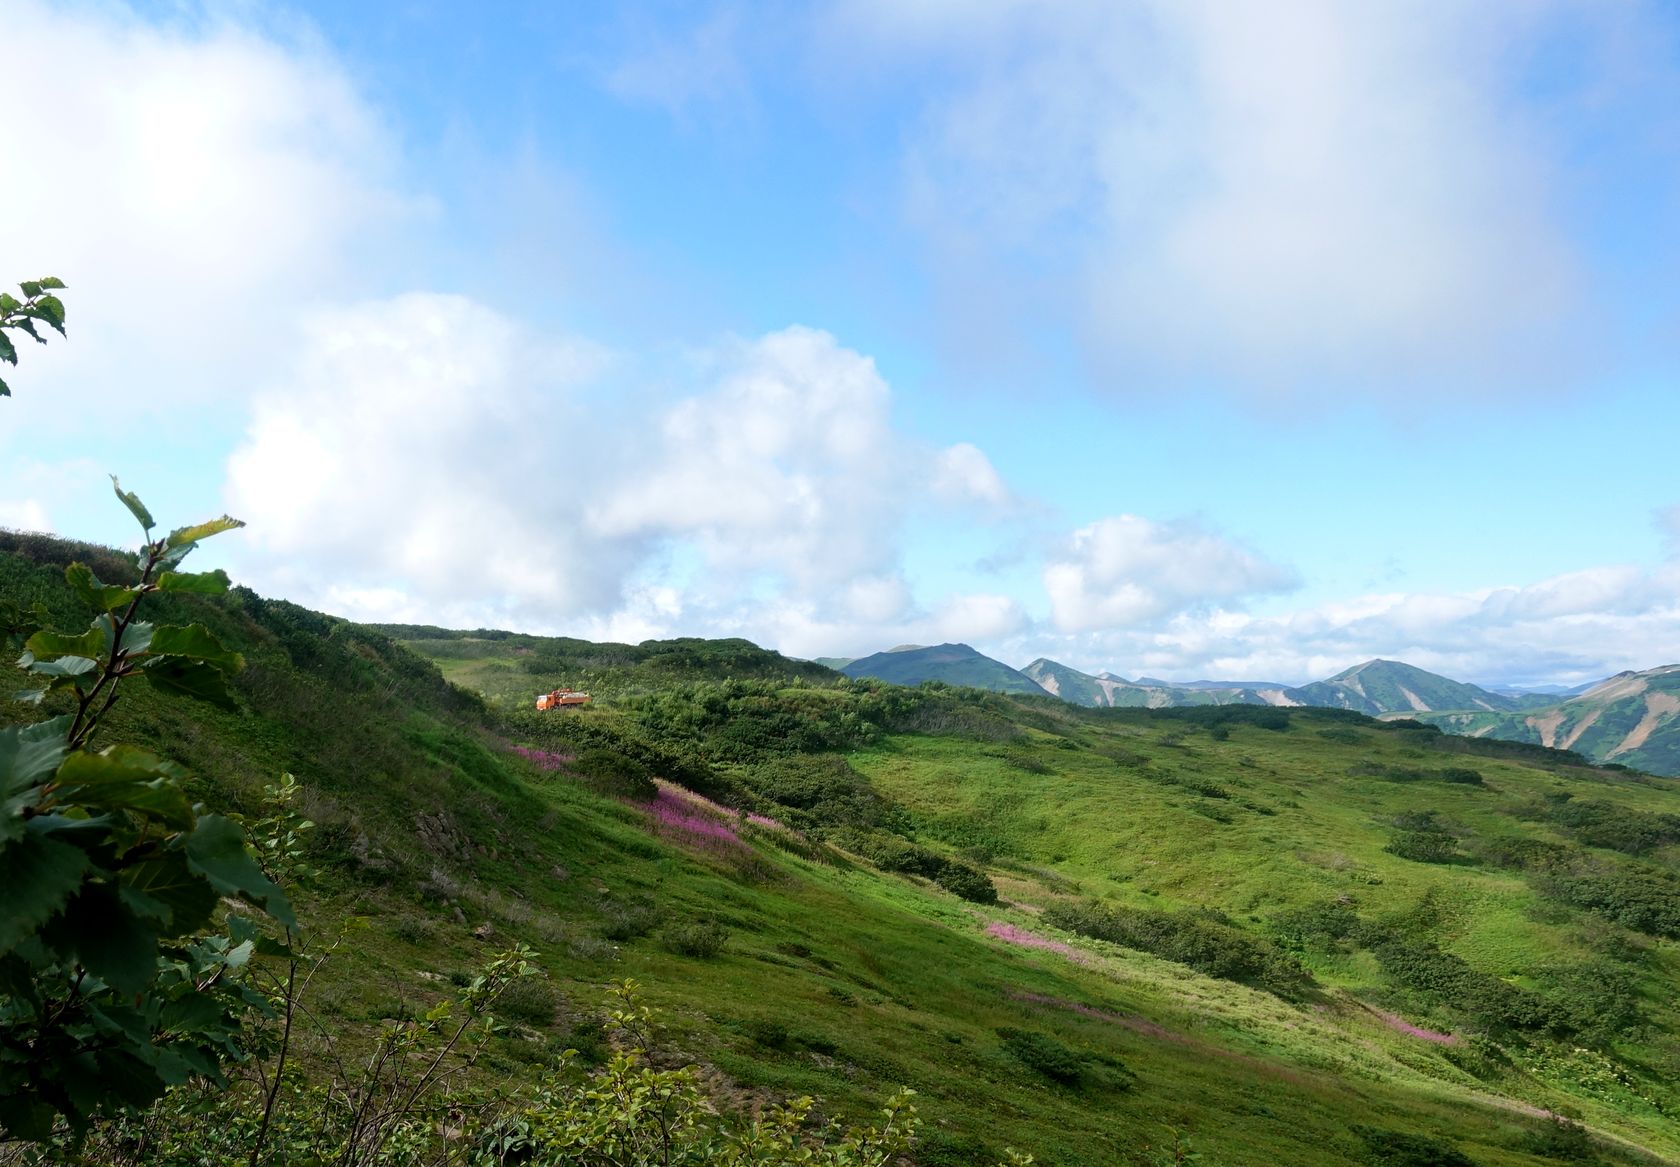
(1250, 935)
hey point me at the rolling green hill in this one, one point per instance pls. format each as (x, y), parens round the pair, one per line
(1386, 686)
(1293, 936)
(954, 664)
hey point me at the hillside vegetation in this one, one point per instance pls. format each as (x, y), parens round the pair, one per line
(1273, 936)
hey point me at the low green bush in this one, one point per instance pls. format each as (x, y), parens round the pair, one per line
(1202, 940)
(962, 880)
(701, 938)
(1044, 1055)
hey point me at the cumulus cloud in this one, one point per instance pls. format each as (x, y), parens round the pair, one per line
(427, 458)
(789, 464)
(1306, 197)
(963, 473)
(192, 182)
(426, 447)
(1128, 570)
(1570, 628)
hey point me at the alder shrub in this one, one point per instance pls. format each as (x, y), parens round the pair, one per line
(119, 974)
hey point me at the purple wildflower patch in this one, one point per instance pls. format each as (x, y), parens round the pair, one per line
(544, 759)
(685, 817)
(1010, 934)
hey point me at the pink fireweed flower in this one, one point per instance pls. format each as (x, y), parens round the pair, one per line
(543, 759)
(1010, 934)
(679, 819)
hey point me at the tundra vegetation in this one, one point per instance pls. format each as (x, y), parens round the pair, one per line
(428, 924)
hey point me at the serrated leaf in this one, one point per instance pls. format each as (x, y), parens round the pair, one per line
(216, 849)
(101, 597)
(52, 283)
(51, 309)
(30, 753)
(44, 644)
(115, 764)
(39, 875)
(64, 666)
(187, 535)
(128, 778)
(9, 302)
(23, 1117)
(111, 942)
(134, 505)
(185, 678)
(31, 288)
(195, 642)
(8, 351)
(170, 881)
(5, 389)
(201, 583)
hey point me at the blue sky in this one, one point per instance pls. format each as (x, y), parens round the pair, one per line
(1171, 338)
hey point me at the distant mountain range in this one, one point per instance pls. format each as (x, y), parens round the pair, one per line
(955, 664)
(1631, 718)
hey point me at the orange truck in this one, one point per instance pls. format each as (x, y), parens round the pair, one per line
(561, 698)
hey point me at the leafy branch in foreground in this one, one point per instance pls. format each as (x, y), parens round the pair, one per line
(112, 988)
(39, 306)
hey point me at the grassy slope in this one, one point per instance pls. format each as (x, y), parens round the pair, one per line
(876, 980)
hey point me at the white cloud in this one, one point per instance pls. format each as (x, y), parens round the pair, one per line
(789, 464)
(426, 458)
(963, 473)
(427, 448)
(1127, 570)
(1569, 628)
(24, 514)
(701, 66)
(1300, 197)
(192, 182)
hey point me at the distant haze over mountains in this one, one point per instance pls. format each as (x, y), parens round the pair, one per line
(1631, 718)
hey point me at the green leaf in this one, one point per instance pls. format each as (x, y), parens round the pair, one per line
(115, 764)
(8, 351)
(23, 1117)
(5, 389)
(43, 644)
(216, 849)
(8, 302)
(184, 678)
(28, 757)
(134, 505)
(29, 696)
(39, 875)
(101, 597)
(53, 283)
(51, 310)
(30, 753)
(186, 535)
(128, 778)
(195, 642)
(31, 288)
(112, 942)
(185, 897)
(64, 666)
(202, 583)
